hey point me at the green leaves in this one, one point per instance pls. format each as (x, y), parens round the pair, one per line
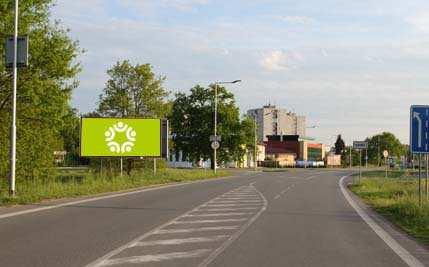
(192, 123)
(133, 91)
(44, 88)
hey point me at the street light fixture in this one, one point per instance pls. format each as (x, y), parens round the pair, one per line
(215, 120)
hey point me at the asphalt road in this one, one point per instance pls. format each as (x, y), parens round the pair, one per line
(293, 218)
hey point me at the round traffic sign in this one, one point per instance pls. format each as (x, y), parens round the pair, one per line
(385, 153)
(215, 144)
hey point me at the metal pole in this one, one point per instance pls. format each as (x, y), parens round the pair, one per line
(215, 128)
(366, 158)
(420, 179)
(385, 162)
(378, 155)
(360, 164)
(121, 166)
(427, 177)
(255, 149)
(12, 190)
(351, 157)
(154, 165)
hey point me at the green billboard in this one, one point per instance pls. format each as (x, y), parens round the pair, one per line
(117, 137)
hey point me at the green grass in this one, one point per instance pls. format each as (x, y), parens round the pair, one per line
(81, 183)
(396, 198)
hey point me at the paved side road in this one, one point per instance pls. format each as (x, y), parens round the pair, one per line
(293, 218)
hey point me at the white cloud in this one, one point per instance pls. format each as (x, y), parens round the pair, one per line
(181, 5)
(420, 22)
(296, 19)
(278, 60)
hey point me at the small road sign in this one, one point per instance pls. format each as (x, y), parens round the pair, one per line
(215, 138)
(360, 145)
(215, 145)
(419, 129)
(385, 153)
(22, 53)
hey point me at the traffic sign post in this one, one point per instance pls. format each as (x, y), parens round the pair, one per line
(215, 145)
(419, 139)
(359, 145)
(385, 155)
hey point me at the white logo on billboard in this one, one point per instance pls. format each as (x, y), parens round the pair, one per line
(124, 147)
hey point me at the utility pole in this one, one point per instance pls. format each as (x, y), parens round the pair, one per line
(215, 119)
(215, 127)
(12, 190)
(256, 147)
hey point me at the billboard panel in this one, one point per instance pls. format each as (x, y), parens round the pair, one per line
(117, 137)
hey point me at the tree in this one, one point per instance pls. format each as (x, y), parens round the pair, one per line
(192, 124)
(133, 91)
(44, 88)
(339, 145)
(384, 141)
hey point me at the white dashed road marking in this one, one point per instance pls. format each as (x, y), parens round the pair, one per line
(216, 224)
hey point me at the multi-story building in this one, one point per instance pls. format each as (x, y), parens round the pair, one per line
(271, 120)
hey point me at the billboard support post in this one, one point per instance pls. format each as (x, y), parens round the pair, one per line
(122, 164)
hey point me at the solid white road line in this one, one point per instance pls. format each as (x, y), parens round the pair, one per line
(209, 221)
(181, 241)
(120, 194)
(392, 243)
(236, 235)
(200, 229)
(156, 257)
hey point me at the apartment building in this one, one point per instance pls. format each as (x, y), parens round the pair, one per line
(271, 120)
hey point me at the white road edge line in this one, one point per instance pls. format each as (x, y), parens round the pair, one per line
(236, 235)
(153, 188)
(392, 243)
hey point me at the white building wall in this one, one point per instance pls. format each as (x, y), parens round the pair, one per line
(274, 121)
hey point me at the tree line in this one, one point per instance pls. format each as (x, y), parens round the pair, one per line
(47, 122)
(377, 144)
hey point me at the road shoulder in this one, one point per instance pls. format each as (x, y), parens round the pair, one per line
(419, 252)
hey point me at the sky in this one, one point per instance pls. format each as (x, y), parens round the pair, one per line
(351, 67)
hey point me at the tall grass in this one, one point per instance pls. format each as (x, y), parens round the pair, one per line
(398, 200)
(72, 184)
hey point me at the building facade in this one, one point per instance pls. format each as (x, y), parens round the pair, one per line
(271, 120)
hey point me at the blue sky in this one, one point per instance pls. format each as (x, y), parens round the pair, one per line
(352, 67)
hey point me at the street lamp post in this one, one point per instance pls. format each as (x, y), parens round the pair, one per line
(13, 128)
(215, 121)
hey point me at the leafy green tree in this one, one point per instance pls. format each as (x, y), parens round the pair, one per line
(44, 88)
(384, 141)
(339, 145)
(192, 120)
(133, 91)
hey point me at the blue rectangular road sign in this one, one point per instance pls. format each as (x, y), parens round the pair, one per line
(419, 129)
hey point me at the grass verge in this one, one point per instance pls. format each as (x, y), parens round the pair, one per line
(397, 199)
(74, 184)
